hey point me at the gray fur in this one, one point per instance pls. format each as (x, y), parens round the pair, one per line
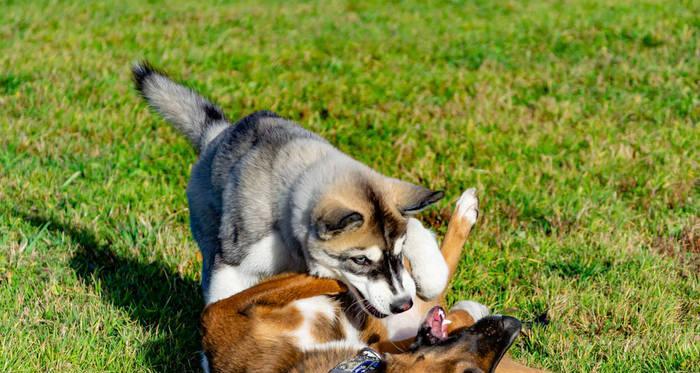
(191, 114)
(264, 174)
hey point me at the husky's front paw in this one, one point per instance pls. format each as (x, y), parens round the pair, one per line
(428, 266)
(475, 309)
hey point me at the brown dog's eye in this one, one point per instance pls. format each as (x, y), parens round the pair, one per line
(360, 260)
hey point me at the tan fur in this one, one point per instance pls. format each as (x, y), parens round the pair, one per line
(327, 330)
(353, 196)
(460, 319)
(453, 360)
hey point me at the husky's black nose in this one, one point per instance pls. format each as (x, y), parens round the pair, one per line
(401, 305)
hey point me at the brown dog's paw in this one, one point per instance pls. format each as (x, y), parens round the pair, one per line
(467, 209)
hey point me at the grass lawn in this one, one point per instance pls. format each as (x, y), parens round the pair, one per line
(576, 120)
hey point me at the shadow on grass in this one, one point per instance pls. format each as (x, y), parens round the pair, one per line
(159, 299)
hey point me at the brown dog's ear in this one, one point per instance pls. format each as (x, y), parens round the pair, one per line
(493, 336)
(411, 198)
(336, 221)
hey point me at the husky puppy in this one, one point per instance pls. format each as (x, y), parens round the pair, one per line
(267, 196)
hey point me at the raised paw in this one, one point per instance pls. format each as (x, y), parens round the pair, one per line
(475, 309)
(468, 206)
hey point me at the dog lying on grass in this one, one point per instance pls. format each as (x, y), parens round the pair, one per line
(299, 323)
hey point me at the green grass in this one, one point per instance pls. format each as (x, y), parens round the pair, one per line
(577, 121)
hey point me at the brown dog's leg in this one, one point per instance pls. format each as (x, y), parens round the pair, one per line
(279, 291)
(461, 223)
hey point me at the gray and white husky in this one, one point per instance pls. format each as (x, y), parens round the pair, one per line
(267, 196)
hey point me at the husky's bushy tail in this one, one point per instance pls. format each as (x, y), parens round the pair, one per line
(190, 113)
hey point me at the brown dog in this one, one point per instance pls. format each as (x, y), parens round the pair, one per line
(299, 323)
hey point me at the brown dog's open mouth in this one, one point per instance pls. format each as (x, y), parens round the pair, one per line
(434, 327)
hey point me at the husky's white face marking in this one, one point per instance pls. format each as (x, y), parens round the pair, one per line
(398, 245)
(360, 237)
(376, 277)
(373, 253)
(381, 294)
(384, 282)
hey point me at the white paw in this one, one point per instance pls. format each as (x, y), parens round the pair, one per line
(475, 309)
(428, 267)
(468, 205)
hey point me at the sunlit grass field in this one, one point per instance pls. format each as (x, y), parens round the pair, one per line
(576, 120)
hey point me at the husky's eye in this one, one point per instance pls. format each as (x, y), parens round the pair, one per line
(360, 260)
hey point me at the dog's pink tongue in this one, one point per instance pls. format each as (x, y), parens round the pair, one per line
(437, 322)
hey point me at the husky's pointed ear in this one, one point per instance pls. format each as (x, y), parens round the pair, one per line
(411, 198)
(336, 221)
